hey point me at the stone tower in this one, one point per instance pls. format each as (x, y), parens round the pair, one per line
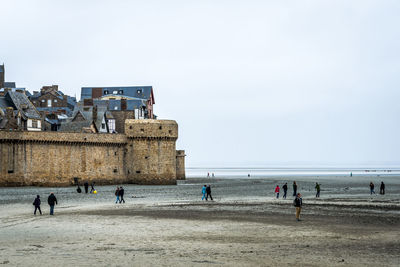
(180, 165)
(150, 151)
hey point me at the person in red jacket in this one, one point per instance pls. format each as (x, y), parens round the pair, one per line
(277, 189)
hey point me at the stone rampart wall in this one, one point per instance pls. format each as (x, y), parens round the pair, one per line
(144, 155)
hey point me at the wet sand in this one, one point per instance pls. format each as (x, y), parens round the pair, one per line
(340, 229)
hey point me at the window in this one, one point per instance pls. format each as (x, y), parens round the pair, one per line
(103, 126)
(121, 92)
(139, 91)
(43, 100)
(39, 124)
(115, 92)
(111, 125)
(34, 124)
(29, 123)
(49, 103)
(55, 100)
(106, 92)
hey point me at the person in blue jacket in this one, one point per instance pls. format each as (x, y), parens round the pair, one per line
(203, 191)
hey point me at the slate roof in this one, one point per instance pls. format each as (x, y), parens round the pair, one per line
(115, 104)
(9, 84)
(70, 100)
(18, 100)
(68, 111)
(142, 92)
(76, 126)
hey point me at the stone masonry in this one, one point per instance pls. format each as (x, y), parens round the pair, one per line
(144, 154)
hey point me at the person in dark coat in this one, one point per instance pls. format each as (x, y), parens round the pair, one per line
(318, 188)
(382, 189)
(298, 203)
(79, 190)
(121, 195)
(284, 187)
(52, 200)
(86, 184)
(371, 187)
(36, 203)
(294, 188)
(208, 191)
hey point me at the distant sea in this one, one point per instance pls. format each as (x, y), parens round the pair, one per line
(259, 172)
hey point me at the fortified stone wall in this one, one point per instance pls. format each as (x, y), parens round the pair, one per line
(151, 151)
(144, 155)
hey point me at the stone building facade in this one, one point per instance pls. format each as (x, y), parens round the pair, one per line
(144, 154)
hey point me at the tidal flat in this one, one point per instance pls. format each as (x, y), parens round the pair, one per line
(245, 225)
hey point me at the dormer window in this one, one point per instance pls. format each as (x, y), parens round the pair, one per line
(139, 91)
(121, 92)
(115, 92)
(106, 92)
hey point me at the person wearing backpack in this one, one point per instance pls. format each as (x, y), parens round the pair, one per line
(298, 203)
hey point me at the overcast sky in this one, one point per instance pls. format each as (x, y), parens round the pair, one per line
(249, 82)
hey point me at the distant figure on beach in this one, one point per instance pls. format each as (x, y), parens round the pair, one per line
(79, 190)
(298, 202)
(294, 188)
(248, 175)
(208, 175)
(92, 187)
(117, 195)
(318, 188)
(284, 187)
(36, 203)
(213, 175)
(382, 189)
(208, 191)
(351, 174)
(371, 187)
(86, 185)
(277, 189)
(52, 200)
(203, 191)
(121, 195)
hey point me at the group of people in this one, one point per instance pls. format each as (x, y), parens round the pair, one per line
(285, 188)
(51, 200)
(381, 190)
(206, 191)
(119, 193)
(86, 185)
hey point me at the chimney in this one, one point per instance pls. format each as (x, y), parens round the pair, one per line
(94, 113)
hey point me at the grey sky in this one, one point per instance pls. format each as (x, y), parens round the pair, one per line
(264, 82)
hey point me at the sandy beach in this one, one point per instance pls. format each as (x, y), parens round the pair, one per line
(169, 225)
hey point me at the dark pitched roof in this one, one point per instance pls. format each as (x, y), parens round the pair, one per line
(22, 104)
(142, 92)
(9, 84)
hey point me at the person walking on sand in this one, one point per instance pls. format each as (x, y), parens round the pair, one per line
(294, 188)
(371, 187)
(318, 188)
(92, 188)
(36, 203)
(52, 200)
(277, 189)
(117, 195)
(382, 189)
(298, 203)
(284, 187)
(86, 184)
(203, 191)
(121, 195)
(208, 191)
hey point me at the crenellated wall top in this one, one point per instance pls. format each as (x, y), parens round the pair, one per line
(151, 129)
(57, 137)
